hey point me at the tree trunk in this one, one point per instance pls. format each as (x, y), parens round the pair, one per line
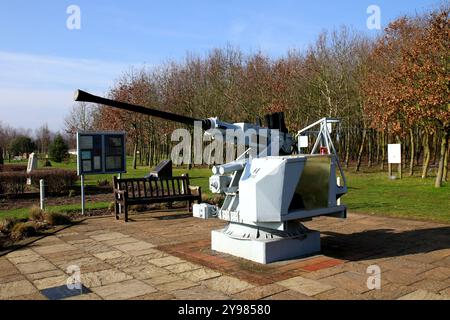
(412, 147)
(135, 154)
(347, 148)
(361, 149)
(426, 155)
(444, 175)
(399, 167)
(440, 173)
(383, 150)
(1, 155)
(369, 160)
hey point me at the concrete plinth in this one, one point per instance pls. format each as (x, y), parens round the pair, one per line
(266, 250)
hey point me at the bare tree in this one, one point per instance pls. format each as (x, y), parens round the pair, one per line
(43, 138)
(80, 118)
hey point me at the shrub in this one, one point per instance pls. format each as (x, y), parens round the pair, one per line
(22, 230)
(36, 214)
(58, 149)
(13, 182)
(7, 224)
(21, 144)
(102, 183)
(47, 163)
(57, 219)
(13, 167)
(56, 180)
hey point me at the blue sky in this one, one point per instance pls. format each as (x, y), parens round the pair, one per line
(42, 62)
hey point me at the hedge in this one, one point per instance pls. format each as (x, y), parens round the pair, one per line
(56, 180)
(13, 182)
(12, 167)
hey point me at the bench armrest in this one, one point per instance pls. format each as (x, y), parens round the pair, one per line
(123, 192)
(197, 189)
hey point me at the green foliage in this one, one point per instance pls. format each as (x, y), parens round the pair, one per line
(58, 149)
(20, 145)
(47, 163)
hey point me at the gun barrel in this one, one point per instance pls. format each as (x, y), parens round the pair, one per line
(81, 95)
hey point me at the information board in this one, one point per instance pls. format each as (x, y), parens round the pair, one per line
(100, 152)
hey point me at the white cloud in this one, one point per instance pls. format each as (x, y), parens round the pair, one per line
(35, 89)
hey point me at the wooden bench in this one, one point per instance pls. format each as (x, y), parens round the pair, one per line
(132, 191)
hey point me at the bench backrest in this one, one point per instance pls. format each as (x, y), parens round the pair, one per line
(153, 187)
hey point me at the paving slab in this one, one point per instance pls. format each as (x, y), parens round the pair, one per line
(166, 261)
(260, 292)
(34, 267)
(103, 277)
(423, 295)
(134, 246)
(200, 274)
(108, 236)
(175, 285)
(182, 267)
(147, 271)
(51, 282)
(16, 289)
(289, 295)
(123, 290)
(109, 254)
(305, 286)
(163, 279)
(227, 285)
(199, 293)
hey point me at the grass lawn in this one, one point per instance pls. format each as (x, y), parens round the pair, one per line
(369, 192)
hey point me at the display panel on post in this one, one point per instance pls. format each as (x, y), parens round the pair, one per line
(100, 152)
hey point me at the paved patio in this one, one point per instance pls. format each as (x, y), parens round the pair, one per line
(166, 255)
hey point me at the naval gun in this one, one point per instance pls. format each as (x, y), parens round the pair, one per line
(269, 194)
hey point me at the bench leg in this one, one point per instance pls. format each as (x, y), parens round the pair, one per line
(189, 205)
(116, 209)
(125, 207)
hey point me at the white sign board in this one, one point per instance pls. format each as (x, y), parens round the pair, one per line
(394, 153)
(303, 141)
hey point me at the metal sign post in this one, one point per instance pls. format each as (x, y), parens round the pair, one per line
(41, 194)
(83, 201)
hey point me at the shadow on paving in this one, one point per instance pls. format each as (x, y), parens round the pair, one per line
(384, 243)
